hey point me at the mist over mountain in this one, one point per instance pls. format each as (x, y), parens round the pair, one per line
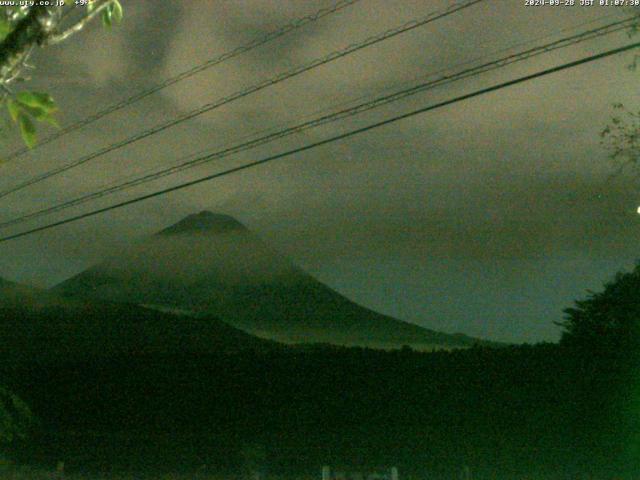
(211, 264)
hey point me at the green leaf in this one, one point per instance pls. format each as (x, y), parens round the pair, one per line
(27, 130)
(37, 113)
(39, 100)
(117, 11)
(5, 28)
(112, 13)
(14, 109)
(40, 115)
(107, 13)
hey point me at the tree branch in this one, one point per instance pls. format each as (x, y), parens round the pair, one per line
(40, 26)
(57, 37)
(29, 31)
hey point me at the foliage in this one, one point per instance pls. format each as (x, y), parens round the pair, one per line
(524, 409)
(112, 13)
(609, 319)
(622, 137)
(28, 106)
(21, 30)
(5, 27)
(607, 325)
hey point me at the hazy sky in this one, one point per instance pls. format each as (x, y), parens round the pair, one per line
(487, 217)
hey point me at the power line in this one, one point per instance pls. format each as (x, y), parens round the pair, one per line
(329, 118)
(269, 37)
(326, 141)
(408, 26)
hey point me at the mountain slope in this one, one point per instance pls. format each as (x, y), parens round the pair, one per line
(36, 325)
(211, 264)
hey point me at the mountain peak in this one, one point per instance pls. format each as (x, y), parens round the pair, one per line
(209, 263)
(204, 222)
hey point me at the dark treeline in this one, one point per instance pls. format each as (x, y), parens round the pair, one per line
(547, 409)
(550, 411)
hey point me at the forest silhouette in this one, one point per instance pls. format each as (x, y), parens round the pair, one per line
(553, 410)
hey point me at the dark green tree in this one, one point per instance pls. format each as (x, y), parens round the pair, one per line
(609, 319)
(604, 331)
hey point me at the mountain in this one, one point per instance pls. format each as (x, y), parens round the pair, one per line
(212, 264)
(39, 326)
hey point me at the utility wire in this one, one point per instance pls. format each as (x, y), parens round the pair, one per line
(269, 37)
(411, 25)
(329, 140)
(329, 118)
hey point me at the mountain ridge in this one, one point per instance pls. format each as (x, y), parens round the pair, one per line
(204, 221)
(210, 263)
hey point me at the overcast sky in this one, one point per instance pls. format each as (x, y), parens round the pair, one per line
(487, 217)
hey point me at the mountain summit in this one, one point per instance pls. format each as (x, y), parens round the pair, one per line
(204, 221)
(211, 264)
